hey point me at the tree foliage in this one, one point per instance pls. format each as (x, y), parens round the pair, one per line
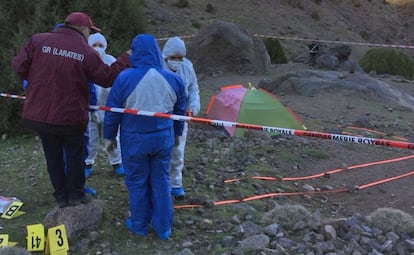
(388, 61)
(120, 22)
(275, 51)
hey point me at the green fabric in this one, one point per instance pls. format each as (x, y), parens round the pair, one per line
(262, 109)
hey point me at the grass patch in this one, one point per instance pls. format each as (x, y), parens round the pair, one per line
(316, 153)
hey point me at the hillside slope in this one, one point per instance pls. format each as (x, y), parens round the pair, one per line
(337, 20)
(346, 21)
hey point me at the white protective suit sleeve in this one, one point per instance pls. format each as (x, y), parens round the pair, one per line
(187, 73)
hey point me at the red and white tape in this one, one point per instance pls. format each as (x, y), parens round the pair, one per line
(12, 96)
(275, 130)
(337, 42)
(398, 46)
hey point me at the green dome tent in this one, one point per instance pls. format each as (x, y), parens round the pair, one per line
(236, 103)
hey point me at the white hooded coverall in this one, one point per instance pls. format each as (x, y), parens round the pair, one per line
(176, 47)
(95, 124)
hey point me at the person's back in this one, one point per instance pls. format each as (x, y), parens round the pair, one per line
(146, 142)
(58, 66)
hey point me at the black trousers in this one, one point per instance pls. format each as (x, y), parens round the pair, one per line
(312, 57)
(67, 180)
(63, 147)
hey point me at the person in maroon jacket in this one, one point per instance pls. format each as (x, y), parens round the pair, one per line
(58, 66)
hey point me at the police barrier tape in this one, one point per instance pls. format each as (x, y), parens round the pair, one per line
(275, 130)
(345, 138)
(399, 46)
(336, 42)
(12, 96)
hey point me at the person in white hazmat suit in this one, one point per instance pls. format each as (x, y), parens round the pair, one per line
(174, 53)
(95, 125)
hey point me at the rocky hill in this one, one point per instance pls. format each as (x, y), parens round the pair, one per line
(357, 21)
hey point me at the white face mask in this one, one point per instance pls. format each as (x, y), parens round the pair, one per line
(100, 51)
(174, 65)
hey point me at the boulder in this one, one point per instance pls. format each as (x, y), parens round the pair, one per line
(337, 58)
(226, 47)
(311, 82)
(78, 219)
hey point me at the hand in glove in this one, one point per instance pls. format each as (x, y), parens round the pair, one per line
(95, 117)
(194, 109)
(109, 145)
(188, 113)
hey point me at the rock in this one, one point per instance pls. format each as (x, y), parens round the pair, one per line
(329, 232)
(251, 228)
(342, 52)
(77, 219)
(363, 122)
(350, 66)
(256, 242)
(410, 244)
(327, 61)
(13, 251)
(311, 82)
(187, 244)
(225, 46)
(272, 229)
(185, 251)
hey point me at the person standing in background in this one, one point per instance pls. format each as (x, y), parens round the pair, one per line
(173, 53)
(313, 52)
(95, 126)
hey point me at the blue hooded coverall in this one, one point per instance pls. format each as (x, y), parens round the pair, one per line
(147, 142)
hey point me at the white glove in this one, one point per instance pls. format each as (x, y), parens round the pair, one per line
(109, 145)
(194, 110)
(95, 117)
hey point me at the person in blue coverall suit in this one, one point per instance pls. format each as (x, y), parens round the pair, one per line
(146, 142)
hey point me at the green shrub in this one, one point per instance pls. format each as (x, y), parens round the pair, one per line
(275, 51)
(388, 61)
(209, 8)
(365, 35)
(286, 215)
(181, 3)
(356, 3)
(315, 15)
(390, 219)
(195, 24)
